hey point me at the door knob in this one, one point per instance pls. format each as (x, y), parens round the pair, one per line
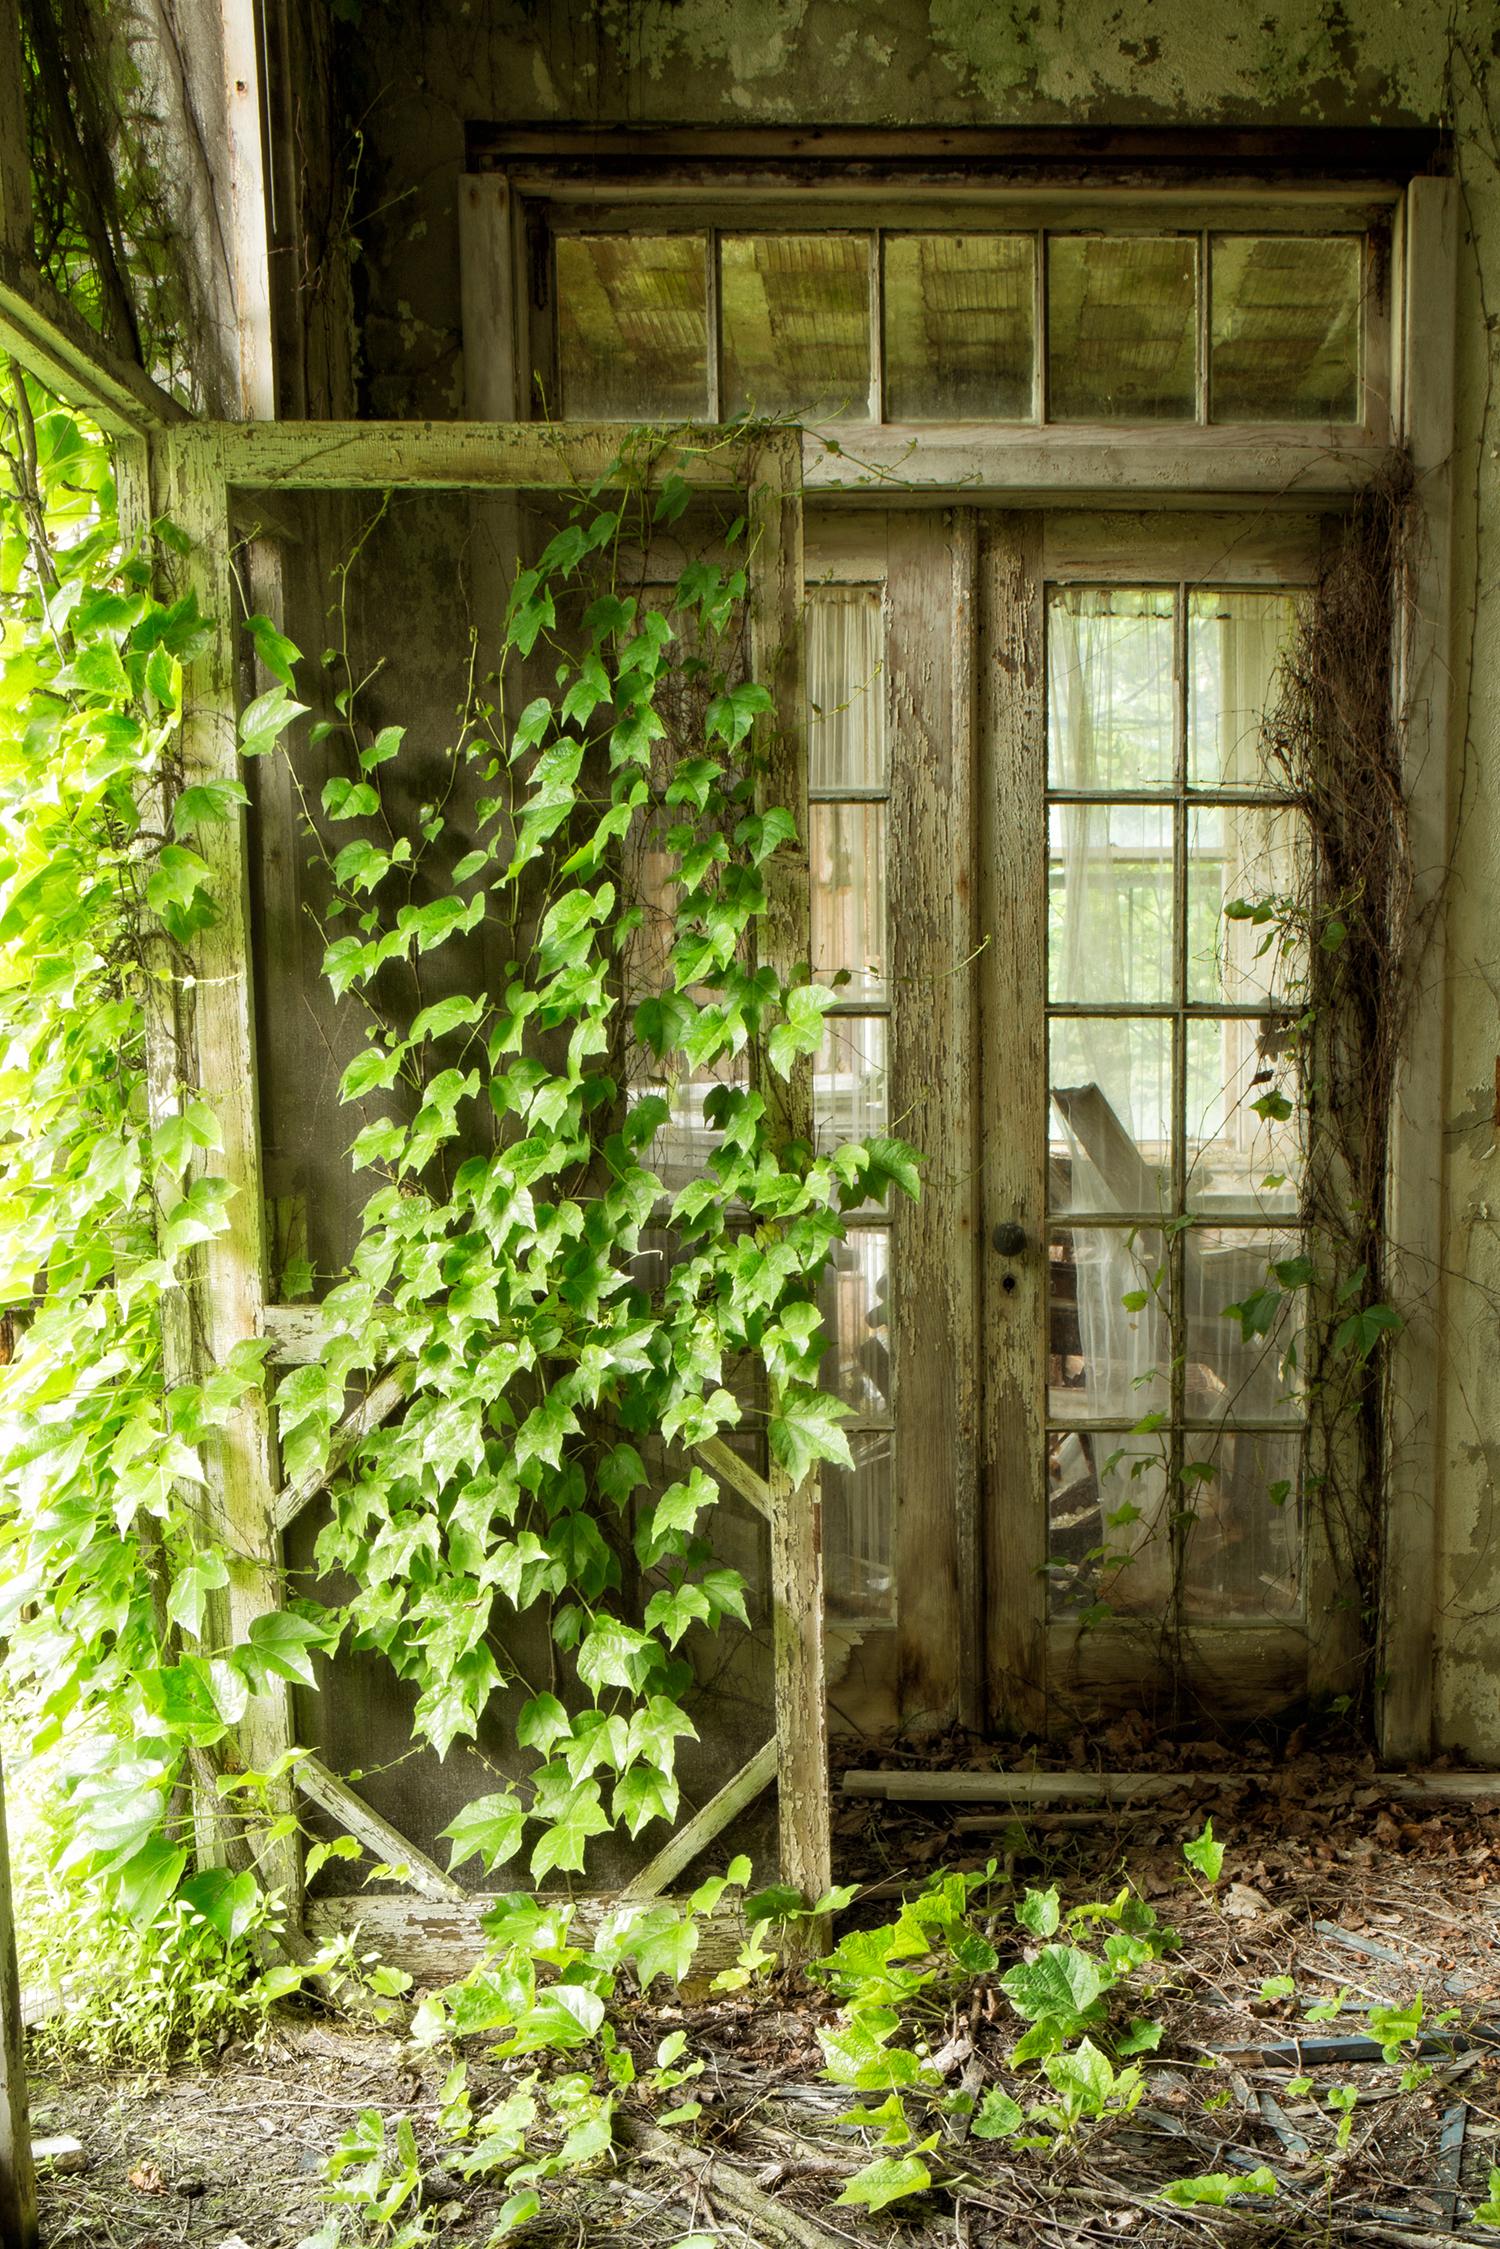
(1010, 1238)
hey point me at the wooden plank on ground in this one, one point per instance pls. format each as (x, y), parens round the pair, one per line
(930, 1787)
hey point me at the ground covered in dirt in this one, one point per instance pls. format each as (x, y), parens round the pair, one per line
(1361, 1899)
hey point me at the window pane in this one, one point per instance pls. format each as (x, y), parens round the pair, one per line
(1122, 328)
(632, 325)
(1111, 1143)
(1110, 903)
(1243, 1159)
(1285, 328)
(1111, 720)
(854, 1300)
(1247, 880)
(1243, 1550)
(1230, 1374)
(857, 1529)
(850, 1086)
(959, 314)
(846, 853)
(1109, 1343)
(796, 315)
(845, 689)
(1235, 645)
(1109, 1531)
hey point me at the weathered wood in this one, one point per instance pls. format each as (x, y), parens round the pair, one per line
(15, 166)
(919, 1787)
(772, 2223)
(18, 2213)
(1194, 465)
(66, 356)
(342, 1803)
(727, 1465)
(696, 1834)
(244, 206)
(1414, 1194)
(436, 1942)
(1012, 850)
(375, 1408)
(784, 942)
(934, 1340)
(493, 391)
(229, 1278)
(1102, 545)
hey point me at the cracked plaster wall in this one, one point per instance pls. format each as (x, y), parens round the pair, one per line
(412, 75)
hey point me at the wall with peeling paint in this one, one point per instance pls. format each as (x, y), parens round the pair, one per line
(412, 74)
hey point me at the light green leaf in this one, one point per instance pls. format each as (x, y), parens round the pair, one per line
(886, 2180)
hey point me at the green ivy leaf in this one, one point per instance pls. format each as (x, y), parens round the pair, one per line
(489, 1829)
(887, 2179)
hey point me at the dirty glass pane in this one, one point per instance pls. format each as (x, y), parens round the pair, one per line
(1110, 903)
(1109, 1339)
(796, 319)
(959, 327)
(1244, 1364)
(1235, 645)
(1109, 1539)
(850, 1097)
(681, 1148)
(1111, 1130)
(632, 325)
(1243, 1546)
(1111, 708)
(853, 1297)
(857, 1530)
(1244, 1117)
(1246, 887)
(845, 688)
(846, 853)
(1284, 328)
(1122, 328)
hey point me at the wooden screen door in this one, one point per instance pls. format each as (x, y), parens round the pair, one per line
(1079, 1473)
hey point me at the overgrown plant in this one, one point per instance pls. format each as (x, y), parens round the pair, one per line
(621, 843)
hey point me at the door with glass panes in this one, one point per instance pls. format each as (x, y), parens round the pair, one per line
(1056, 870)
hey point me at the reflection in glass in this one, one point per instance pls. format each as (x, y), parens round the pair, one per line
(853, 1297)
(846, 853)
(1243, 1544)
(632, 325)
(1246, 884)
(1284, 333)
(1122, 327)
(959, 319)
(857, 1530)
(850, 1096)
(1111, 709)
(1110, 903)
(1109, 1533)
(1235, 645)
(1244, 1117)
(1109, 1339)
(1241, 1365)
(1111, 1132)
(845, 688)
(796, 320)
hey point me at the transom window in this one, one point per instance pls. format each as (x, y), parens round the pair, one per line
(1262, 324)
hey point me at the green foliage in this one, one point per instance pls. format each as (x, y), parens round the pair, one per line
(1214, 2189)
(1204, 1854)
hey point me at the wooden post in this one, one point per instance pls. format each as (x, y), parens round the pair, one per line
(776, 654)
(15, 163)
(1406, 1715)
(18, 2219)
(228, 1300)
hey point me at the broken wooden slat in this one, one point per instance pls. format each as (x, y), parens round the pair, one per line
(922, 1787)
(1450, 2160)
(678, 1853)
(57, 346)
(377, 1406)
(774, 2223)
(341, 1803)
(437, 1941)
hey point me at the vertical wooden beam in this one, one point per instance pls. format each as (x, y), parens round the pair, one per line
(1013, 1016)
(1406, 1710)
(229, 1290)
(935, 1340)
(15, 163)
(776, 655)
(18, 2214)
(487, 277)
(247, 244)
